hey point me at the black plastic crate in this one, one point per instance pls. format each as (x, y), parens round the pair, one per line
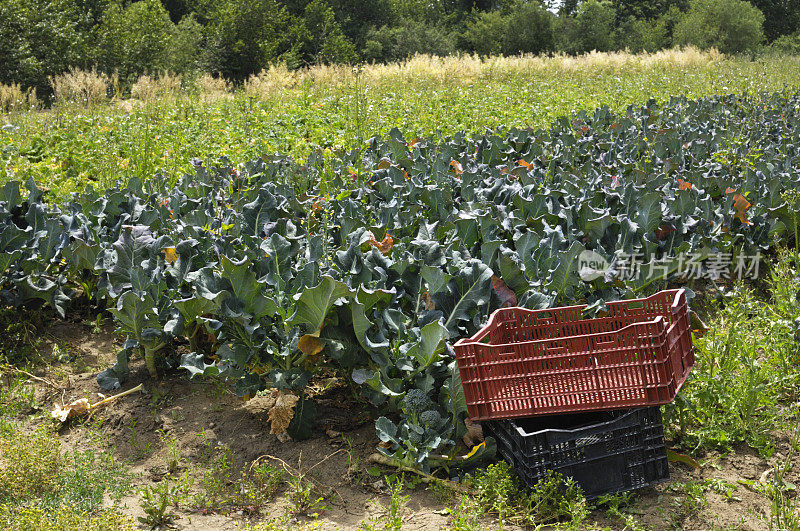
(604, 451)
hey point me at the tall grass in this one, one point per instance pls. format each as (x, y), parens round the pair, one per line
(14, 98)
(85, 87)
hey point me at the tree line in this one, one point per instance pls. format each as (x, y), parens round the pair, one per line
(237, 38)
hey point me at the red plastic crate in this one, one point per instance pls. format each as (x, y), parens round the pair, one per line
(527, 363)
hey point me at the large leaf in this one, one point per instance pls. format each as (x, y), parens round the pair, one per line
(466, 292)
(313, 304)
(247, 296)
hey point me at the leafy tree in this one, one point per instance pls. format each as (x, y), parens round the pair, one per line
(639, 35)
(484, 34)
(177, 9)
(42, 38)
(781, 17)
(732, 26)
(185, 45)
(407, 38)
(591, 29)
(524, 28)
(529, 30)
(245, 36)
(135, 39)
(357, 17)
(318, 38)
(645, 9)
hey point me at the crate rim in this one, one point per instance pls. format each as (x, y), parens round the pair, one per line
(491, 324)
(522, 433)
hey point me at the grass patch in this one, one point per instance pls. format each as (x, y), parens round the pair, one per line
(498, 493)
(62, 518)
(42, 487)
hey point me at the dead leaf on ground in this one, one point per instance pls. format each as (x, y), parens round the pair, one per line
(74, 409)
(282, 412)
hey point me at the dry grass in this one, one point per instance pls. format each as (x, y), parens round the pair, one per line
(151, 88)
(466, 69)
(267, 83)
(14, 98)
(213, 88)
(85, 87)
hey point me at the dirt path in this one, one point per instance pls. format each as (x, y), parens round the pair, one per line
(189, 423)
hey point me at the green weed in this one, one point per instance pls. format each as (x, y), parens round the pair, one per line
(500, 493)
(43, 488)
(63, 518)
(747, 369)
(392, 519)
(156, 500)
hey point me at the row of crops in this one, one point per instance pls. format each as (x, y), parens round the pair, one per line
(373, 262)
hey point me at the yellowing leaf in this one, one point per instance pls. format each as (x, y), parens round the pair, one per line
(675, 457)
(683, 185)
(385, 245)
(474, 450)
(282, 412)
(740, 204)
(457, 167)
(429, 304)
(310, 344)
(383, 164)
(508, 297)
(528, 166)
(170, 255)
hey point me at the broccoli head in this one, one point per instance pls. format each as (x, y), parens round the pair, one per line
(414, 437)
(430, 419)
(416, 402)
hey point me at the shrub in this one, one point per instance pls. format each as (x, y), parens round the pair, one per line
(151, 88)
(273, 79)
(212, 88)
(732, 26)
(787, 44)
(13, 98)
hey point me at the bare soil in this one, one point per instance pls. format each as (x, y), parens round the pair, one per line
(336, 456)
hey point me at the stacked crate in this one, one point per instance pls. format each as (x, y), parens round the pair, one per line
(580, 396)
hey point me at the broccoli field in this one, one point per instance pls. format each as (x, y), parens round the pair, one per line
(343, 279)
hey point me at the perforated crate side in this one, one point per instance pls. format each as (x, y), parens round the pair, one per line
(624, 453)
(543, 362)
